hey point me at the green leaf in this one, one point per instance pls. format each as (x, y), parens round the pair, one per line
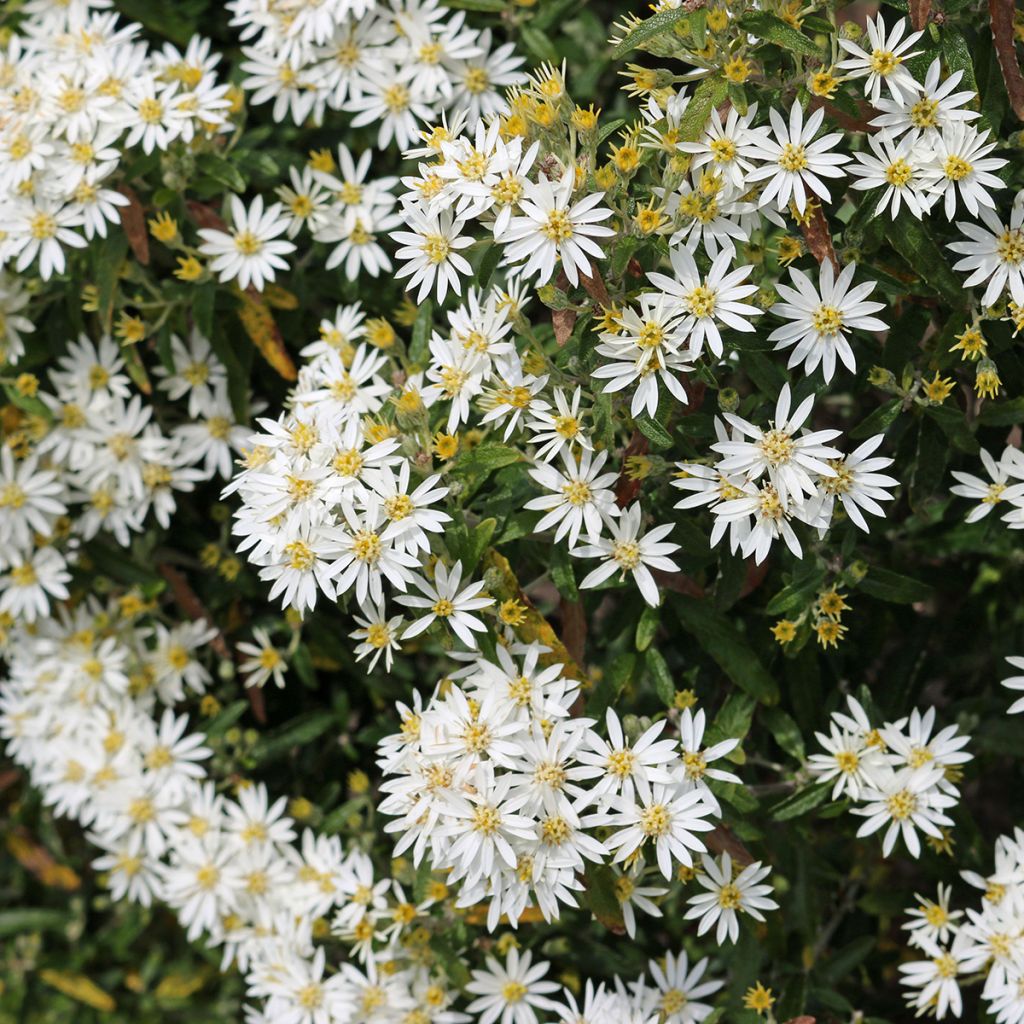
(601, 897)
(733, 719)
(799, 591)
(801, 802)
(711, 91)
(488, 263)
(609, 129)
(773, 29)
(484, 459)
(665, 21)
(894, 587)
(879, 421)
(653, 431)
(647, 627)
(786, 732)
(538, 43)
(1002, 414)
(612, 683)
(958, 58)
(954, 426)
(727, 648)
(300, 730)
(221, 171)
(24, 920)
(929, 464)
(913, 241)
(110, 256)
(553, 13)
(226, 717)
(664, 684)
(419, 346)
(485, 6)
(562, 572)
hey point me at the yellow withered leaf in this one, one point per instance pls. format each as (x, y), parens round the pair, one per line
(261, 327)
(79, 987)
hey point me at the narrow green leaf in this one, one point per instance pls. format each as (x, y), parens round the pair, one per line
(647, 627)
(302, 729)
(484, 459)
(221, 171)
(801, 802)
(601, 897)
(913, 241)
(711, 91)
(773, 29)
(785, 731)
(727, 647)
(879, 421)
(419, 345)
(664, 684)
(653, 431)
(893, 586)
(24, 920)
(665, 21)
(562, 572)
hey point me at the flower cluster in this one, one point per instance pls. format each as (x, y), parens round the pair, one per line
(902, 777)
(501, 785)
(392, 64)
(79, 88)
(767, 478)
(96, 449)
(986, 942)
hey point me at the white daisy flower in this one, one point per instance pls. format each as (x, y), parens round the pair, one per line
(900, 170)
(443, 600)
(264, 661)
(795, 162)
(822, 318)
(960, 166)
(553, 228)
(727, 897)
(629, 551)
(989, 493)
(582, 496)
(788, 457)
(430, 252)
(511, 993)
(993, 254)
(884, 61)
(250, 251)
(708, 301)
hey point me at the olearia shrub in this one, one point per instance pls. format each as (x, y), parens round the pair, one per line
(506, 511)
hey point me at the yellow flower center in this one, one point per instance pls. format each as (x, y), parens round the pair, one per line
(627, 554)
(436, 248)
(42, 226)
(247, 243)
(701, 301)
(901, 805)
(793, 158)
(924, 113)
(1010, 246)
(827, 320)
(300, 556)
(777, 447)
(899, 173)
(655, 821)
(884, 62)
(558, 226)
(729, 897)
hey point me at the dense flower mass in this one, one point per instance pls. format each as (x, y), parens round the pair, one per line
(432, 480)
